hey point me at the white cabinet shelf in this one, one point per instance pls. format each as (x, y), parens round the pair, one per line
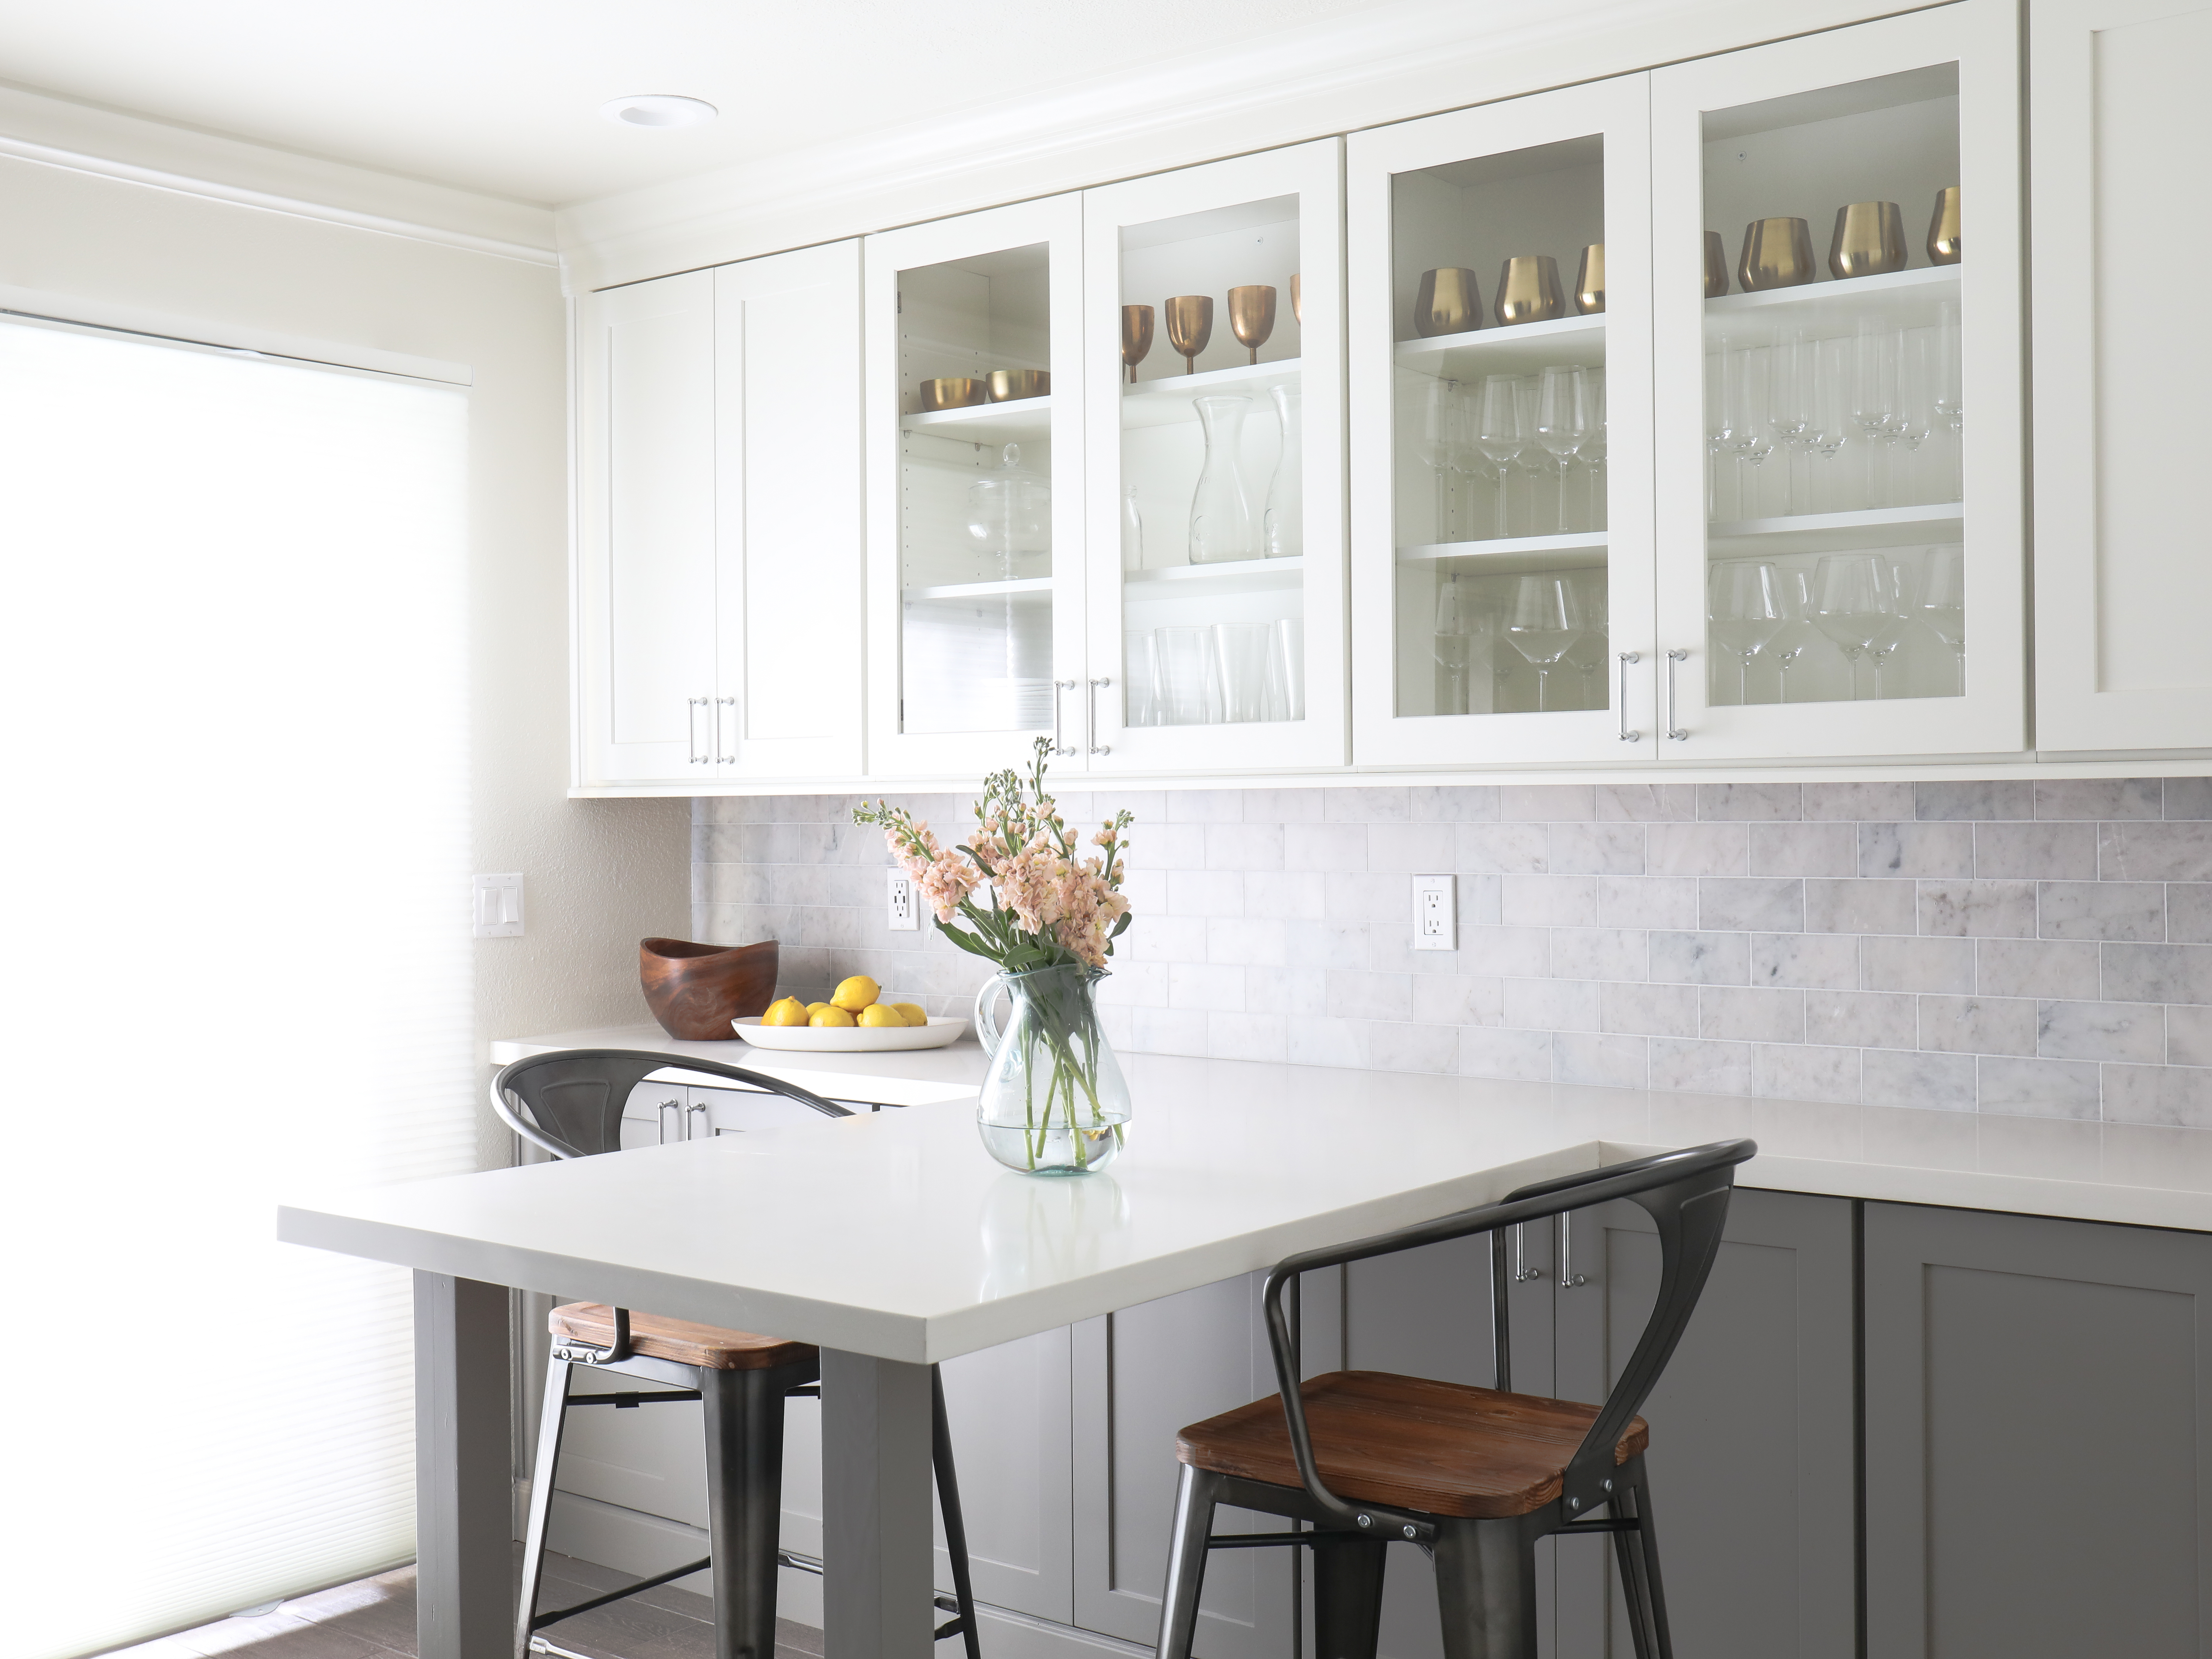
(1900, 299)
(1167, 400)
(1024, 420)
(1028, 587)
(1211, 580)
(1519, 348)
(1510, 555)
(1841, 532)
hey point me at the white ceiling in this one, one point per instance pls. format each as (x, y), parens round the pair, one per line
(502, 96)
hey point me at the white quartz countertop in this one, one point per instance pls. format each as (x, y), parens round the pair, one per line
(893, 1234)
(912, 1076)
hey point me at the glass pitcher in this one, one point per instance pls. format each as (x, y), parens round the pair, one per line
(1054, 1100)
(1010, 519)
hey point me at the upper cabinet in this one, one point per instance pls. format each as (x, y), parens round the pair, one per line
(1841, 536)
(975, 421)
(1501, 451)
(2118, 120)
(1212, 337)
(717, 608)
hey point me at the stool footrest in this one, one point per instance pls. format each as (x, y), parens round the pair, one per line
(654, 1582)
(631, 1401)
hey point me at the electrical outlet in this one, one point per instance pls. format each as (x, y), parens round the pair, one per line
(499, 906)
(905, 914)
(1436, 913)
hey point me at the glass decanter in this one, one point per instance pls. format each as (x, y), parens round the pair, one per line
(1283, 526)
(1222, 527)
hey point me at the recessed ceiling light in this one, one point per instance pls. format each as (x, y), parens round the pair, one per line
(658, 109)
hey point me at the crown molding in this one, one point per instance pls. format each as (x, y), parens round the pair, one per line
(1395, 63)
(56, 132)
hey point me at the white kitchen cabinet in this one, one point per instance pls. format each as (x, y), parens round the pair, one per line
(1858, 431)
(1465, 526)
(1215, 564)
(2117, 117)
(974, 608)
(718, 547)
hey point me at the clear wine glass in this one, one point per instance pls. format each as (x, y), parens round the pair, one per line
(1725, 433)
(1439, 443)
(1753, 388)
(1563, 420)
(1593, 448)
(1793, 410)
(1794, 637)
(1587, 655)
(1452, 645)
(1909, 428)
(1899, 629)
(1874, 399)
(1499, 435)
(1544, 619)
(1943, 602)
(1950, 389)
(1743, 610)
(1853, 601)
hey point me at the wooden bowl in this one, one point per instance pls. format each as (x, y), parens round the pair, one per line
(695, 991)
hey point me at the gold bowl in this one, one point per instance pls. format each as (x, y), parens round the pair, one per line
(1010, 385)
(1589, 281)
(1716, 270)
(1943, 243)
(1528, 290)
(1869, 240)
(952, 391)
(1776, 253)
(1447, 300)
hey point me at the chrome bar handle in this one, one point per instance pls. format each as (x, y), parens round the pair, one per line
(1090, 719)
(1626, 658)
(1522, 1272)
(1673, 731)
(691, 731)
(699, 1121)
(727, 760)
(1568, 1276)
(667, 1107)
(1059, 686)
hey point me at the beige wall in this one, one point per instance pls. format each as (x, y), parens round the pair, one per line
(598, 874)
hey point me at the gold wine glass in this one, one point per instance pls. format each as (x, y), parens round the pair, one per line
(1944, 245)
(1136, 337)
(1190, 325)
(1528, 290)
(1252, 316)
(1447, 302)
(1589, 281)
(1869, 240)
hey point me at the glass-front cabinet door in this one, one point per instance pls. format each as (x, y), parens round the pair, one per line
(974, 408)
(1212, 338)
(1841, 551)
(1501, 390)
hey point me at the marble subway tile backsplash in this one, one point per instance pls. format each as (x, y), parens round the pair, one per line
(2028, 948)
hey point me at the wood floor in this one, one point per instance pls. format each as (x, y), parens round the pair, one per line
(374, 1618)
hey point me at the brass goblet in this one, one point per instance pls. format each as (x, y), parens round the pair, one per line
(1589, 281)
(1252, 316)
(1528, 290)
(1776, 253)
(1297, 300)
(1190, 325)
(1716, 271)
(1944, 245)
(1447, 302)
(1869, 240)
(1136, 337)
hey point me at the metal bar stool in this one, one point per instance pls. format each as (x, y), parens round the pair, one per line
(570, 1103)
(1474, 1476)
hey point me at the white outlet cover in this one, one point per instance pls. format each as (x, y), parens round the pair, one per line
(498, 901)
(1436, 913)
(903, 904)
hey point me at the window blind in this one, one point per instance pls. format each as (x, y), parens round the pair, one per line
(235, 957)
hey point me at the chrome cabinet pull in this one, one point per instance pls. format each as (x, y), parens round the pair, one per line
(727, 760)
(1673, 731)
(699, 1123)
(1522, 1272)
(1568, 1276)
(667, 1107)
(1090, 719)
(1627, 658)
(691, 731)
(1059, 686)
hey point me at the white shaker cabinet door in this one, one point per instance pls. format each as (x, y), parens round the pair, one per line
(644, 602)
(2119, 243)
(789, 480)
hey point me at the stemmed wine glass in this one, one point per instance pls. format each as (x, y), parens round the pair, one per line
(1546, 618)
(1832, 400)
(1587, 656)
(1950, 376)
(1563, 420)
(1915, 410)
(1874, 398)
(1441, 415)
(1594, 447)
(1794, 637)
(1499, 435)
(1943, 602)
(1792, 410)
(1452, 644)
(1852, 602)
(1900, 627)
(1744, 611)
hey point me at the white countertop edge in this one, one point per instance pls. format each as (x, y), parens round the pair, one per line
(1968, 1189)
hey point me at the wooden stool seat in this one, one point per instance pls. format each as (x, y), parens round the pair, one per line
(679, 1339)
(1438, 1447)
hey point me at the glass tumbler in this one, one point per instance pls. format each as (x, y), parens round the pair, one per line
(1182, 684)
(1241, 651)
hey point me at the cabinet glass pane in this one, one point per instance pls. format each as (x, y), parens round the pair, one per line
(1835, 523)
(1211, 508)
(975, 555)
(1498, 290)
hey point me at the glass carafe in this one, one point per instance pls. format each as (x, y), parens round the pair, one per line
(1010, 519)
(1282, 527)
(1222, 525)
(1054, 1100)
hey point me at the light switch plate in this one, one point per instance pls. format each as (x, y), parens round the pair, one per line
(1436, 913)
(499, 906)
(904, 912)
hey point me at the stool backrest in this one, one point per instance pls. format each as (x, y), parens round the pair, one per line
(571, 1100)
(1686, 1194)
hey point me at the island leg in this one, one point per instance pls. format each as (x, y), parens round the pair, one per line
(464, 1481)
(876, 1508)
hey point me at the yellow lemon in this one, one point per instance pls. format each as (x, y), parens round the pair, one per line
(856, 994)
(912, 1012)
(789, 1011)
(829, 1016)
(880, 1013)
(816, 1007)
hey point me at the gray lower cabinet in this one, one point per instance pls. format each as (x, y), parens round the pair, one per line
(2038, 1430)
